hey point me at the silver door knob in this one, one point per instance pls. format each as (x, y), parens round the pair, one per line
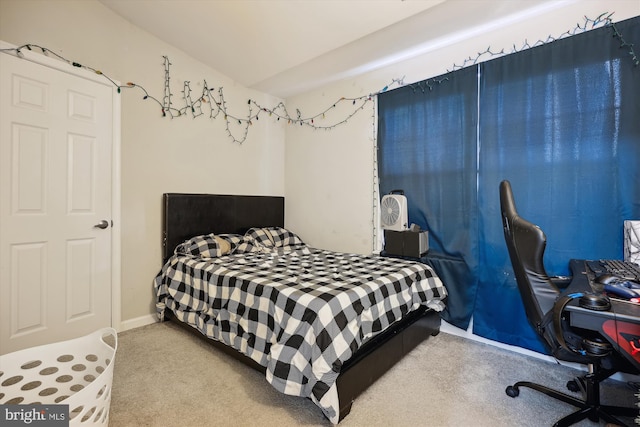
(102, 224)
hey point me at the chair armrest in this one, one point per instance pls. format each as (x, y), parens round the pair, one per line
(557, 312)
(561, 281)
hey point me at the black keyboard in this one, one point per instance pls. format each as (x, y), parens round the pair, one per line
(623, 269)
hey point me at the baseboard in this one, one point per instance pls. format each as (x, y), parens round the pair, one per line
(453, 330)
(138, 322)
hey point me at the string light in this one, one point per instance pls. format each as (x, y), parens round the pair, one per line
(374, 178)
(428, 84)
(196, 105)
(603, 20)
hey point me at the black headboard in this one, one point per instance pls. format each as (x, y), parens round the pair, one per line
(188, 215)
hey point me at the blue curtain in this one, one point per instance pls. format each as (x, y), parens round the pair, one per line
(427, 147)
(560, 121)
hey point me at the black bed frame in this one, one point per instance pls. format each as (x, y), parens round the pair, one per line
(188, 215)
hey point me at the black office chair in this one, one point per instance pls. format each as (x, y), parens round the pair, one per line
(544, 307)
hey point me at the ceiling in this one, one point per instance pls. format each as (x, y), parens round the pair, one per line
(287, 47)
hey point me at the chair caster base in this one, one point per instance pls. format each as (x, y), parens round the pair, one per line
(573, 386)
(512, 391)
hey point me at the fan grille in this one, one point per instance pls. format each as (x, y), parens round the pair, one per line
(390, 211)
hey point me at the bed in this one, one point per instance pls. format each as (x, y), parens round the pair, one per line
(318, 324)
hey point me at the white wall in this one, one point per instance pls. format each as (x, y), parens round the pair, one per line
(158, 154)
(329, 183)
(325, 175)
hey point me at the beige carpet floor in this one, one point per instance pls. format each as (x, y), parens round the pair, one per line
(167, 377)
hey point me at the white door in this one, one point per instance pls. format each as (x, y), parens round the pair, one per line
(56, 136)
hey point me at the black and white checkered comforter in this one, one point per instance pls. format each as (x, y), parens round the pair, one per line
(301, 313)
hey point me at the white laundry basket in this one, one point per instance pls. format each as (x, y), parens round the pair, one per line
(77, 372)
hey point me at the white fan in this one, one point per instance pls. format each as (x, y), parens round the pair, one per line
(393, 212)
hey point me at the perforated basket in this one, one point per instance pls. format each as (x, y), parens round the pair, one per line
(77, 372)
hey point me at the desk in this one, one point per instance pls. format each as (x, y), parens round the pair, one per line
(620, 325)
